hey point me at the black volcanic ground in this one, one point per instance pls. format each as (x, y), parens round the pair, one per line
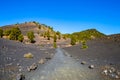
(11, 53)
(99, 53)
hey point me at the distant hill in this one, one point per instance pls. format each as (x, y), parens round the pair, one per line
(88, 34)
(114, 37)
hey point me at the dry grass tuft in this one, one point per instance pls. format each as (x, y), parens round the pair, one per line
(28, 55)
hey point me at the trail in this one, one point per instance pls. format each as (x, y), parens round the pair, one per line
(63, 67)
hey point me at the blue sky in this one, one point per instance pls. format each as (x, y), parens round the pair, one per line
(66, 16)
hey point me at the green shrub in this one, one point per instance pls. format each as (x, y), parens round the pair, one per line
(84, 45)
(73, 40)
(20, 38)
(1, 32)
(7, 32)
(15, 32)
(64, 37)
(31, 36)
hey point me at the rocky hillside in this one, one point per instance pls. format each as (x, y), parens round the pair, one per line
(44, 35)
(30, 26)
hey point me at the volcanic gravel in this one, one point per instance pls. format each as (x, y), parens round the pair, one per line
(99, 54)
(12, 57)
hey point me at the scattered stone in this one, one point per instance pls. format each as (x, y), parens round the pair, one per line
(42, 77)
(41, 61)
(48, 58)
(20, 76)
(9, 64)
(111, 72)
(83, 62)
(114, 76)
(111, 64)
(112, 69)
(46, 52)
(28, 69)
(14, 59)
(118, 73)
(77, 59)
(52, 55)
(3, 46)
(105, 72)
(117, 77)
(32, 67)
(8, 58)
(66, 54)
(18, 64)
(20, 70)
(91, 66)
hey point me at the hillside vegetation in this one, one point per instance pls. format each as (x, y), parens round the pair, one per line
(36, 27)
(33, 32)
(44, 32)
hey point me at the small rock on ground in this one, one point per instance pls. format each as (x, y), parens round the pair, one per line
(41, 61)
(83, 62)
(20, 76)
(91, 66)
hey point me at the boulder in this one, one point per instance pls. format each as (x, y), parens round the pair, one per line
(32, 67)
